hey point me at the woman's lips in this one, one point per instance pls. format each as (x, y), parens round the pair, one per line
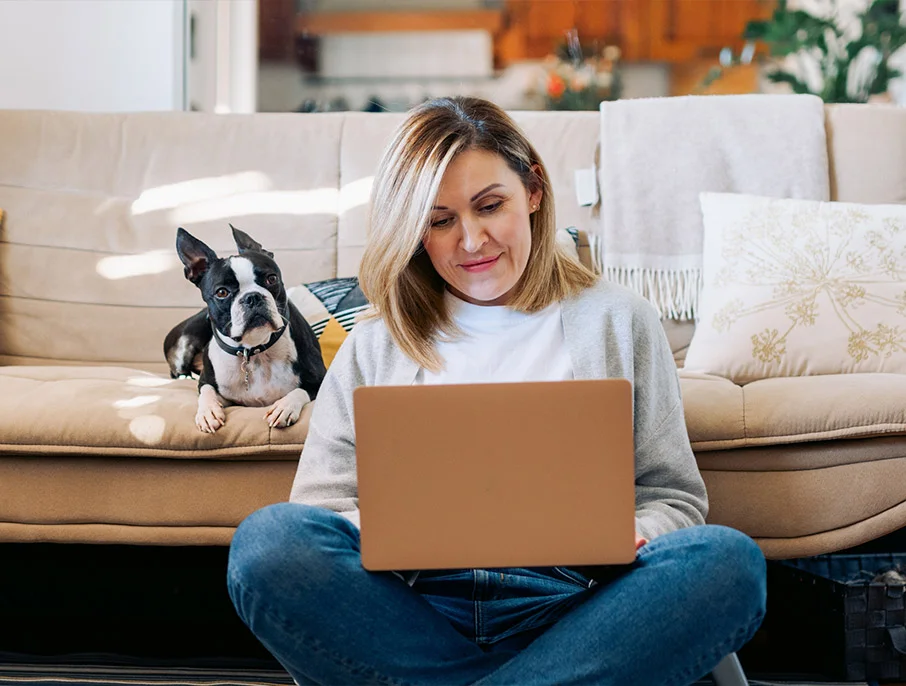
(480, 265)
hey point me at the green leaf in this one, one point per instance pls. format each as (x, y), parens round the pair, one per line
(755, 30)
(794, 82)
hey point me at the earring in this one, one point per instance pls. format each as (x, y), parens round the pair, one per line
(534, 208)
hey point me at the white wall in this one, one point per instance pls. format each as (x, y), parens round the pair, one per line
(92, 55)
(413, 54)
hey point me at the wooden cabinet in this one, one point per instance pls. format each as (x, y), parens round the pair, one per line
(652, 30)
(688, 30)
(534, 28)
(321, 23)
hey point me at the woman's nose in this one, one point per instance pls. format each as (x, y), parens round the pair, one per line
(473, 236)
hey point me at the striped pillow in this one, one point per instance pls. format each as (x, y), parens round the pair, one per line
(342, 298)
(330, 307)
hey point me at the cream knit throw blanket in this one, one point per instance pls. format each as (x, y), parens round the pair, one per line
(658, 154)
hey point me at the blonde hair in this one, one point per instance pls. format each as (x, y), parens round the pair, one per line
(397, 276)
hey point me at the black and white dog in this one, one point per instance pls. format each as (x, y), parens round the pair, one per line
(250, 346)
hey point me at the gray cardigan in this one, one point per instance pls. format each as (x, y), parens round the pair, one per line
(610, 331)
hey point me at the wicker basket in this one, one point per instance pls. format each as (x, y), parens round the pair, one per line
(859, 623)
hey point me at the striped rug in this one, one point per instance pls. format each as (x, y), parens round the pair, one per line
(125, 670)
(68, 675)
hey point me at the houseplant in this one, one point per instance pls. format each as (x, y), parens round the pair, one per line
(837, 56)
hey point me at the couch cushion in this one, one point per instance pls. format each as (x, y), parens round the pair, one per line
(115, 411)
(138, 501)
(722, 415)
(809, 498)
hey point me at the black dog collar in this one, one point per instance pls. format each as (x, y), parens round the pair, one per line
(247, 352)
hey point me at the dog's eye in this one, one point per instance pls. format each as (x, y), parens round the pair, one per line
(271, 280)
(221, 292)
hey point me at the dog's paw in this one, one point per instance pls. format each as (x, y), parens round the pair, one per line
(210, 418)
(285, 412)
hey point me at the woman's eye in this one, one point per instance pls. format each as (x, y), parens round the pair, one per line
(221, 292)
(440, 223)
(271, 280)
(492, 207)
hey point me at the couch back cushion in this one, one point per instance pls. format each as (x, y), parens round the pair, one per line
(867, 153)
(88, 268)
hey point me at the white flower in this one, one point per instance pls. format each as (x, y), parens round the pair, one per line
(862, 71)
(822, 9)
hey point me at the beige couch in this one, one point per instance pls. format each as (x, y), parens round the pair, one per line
(98, 445)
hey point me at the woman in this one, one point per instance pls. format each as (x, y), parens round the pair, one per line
(468, 286)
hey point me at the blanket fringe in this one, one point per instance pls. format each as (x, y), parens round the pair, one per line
(674, 293)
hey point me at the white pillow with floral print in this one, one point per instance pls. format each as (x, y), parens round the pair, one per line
(798, 287)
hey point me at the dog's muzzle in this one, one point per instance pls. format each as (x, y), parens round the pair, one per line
(258, 311)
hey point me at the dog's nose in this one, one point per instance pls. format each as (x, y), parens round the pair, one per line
(252, 299)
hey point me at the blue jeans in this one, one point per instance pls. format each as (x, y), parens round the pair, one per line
(296, 579)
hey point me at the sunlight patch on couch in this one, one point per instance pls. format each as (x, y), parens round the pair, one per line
(149, 428)
(149, 381)
(125, 266)
(317, 201)
(138, 401)
(209, 188)
(355, 194)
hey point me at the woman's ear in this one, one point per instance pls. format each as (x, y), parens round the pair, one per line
(535, 196)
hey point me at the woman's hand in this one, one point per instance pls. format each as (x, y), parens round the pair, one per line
(639, 541)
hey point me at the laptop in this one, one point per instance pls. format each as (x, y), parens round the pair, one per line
(470, 476)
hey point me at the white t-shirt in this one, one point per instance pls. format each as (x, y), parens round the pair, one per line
(501, 345)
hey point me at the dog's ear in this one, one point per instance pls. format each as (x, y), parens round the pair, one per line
(194, 254)
(246, 243)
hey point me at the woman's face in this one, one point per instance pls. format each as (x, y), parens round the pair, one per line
(479, 235)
